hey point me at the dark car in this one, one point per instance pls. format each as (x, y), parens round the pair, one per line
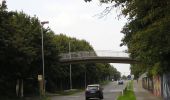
(94, 91)
(120, 82)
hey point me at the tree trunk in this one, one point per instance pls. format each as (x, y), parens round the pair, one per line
(17, 88)
(22, 88)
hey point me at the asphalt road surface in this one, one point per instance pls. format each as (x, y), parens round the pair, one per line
(111, 92)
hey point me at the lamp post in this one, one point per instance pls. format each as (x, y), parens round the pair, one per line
(42, 48)
(85, 78)
(70, 67)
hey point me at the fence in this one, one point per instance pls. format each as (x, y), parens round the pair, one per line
(166, 86)
(158, 85)
(147, 83)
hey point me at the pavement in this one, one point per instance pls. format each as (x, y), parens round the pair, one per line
(142, 94)
(111, 91)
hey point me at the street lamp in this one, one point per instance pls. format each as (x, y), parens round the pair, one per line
(85, 76)
(42, 38)
(70, 68)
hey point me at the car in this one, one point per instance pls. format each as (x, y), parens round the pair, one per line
(94, 91)
(120, 82)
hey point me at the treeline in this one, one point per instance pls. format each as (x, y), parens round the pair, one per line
(21, 60)
(147, 34)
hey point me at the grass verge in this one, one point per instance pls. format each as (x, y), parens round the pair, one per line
(104, 83)
(25, 98)
(65, 92)
(128, 93)
(45, 98)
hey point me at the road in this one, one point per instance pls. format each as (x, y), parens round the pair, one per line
(111, 92)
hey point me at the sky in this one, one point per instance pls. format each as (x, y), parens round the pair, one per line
(76, 18)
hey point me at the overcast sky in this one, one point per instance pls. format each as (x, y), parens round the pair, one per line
(75, 18)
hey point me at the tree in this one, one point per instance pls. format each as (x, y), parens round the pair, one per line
(124, 77)
(21, 59)
(146, 32)
(20, 51)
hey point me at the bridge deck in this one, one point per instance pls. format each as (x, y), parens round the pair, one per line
(96, 57)
(98, 60)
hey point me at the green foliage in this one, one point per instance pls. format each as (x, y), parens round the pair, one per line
(20, 51)
(138, 69)
(3, 6)
(124, 77)
(147, 32)
(128, 93)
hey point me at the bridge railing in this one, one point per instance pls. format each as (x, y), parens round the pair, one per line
(83, 54)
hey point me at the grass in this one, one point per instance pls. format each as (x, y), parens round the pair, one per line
(30, 98)
(65, 92)
(45, 98)
(7, 98)
(104, 83)
(128, 93)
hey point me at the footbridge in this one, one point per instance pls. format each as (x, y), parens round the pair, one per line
(96, 57)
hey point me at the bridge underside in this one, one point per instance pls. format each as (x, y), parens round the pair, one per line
(124, 60)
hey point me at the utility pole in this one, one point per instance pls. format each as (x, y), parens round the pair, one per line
(85, 79)
(70, 67)
(42, 48)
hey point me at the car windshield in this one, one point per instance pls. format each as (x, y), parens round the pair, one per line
(92, 87)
